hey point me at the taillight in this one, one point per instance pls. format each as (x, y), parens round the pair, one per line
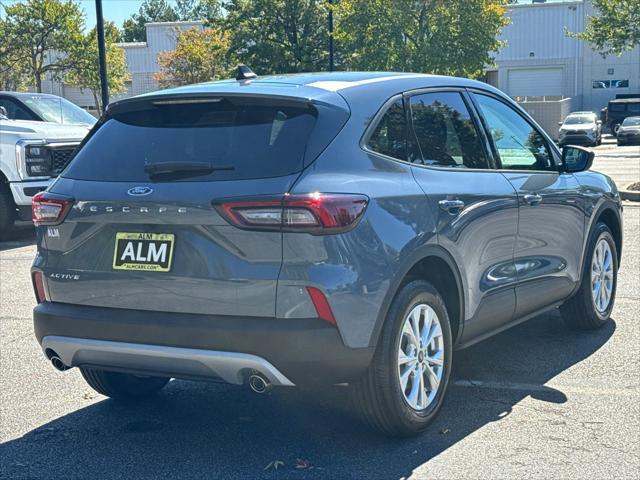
(317, 213)
(38, 286)
(321, 305)
(49, 209)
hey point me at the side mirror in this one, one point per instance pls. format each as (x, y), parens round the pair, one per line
(3, 111)
(560, 124)
(576, 159)
(599, 122)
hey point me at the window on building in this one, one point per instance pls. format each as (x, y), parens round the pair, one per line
(445, 132)
(390, 135)
(610, 84)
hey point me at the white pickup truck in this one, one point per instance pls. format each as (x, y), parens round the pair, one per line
(38, 135)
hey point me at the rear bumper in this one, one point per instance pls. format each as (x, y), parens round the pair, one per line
(287, 351)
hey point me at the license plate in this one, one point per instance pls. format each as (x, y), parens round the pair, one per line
(143, 251)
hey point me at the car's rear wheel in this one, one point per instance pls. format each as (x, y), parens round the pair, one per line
(122, 386)
(405, 385)
(591, 306)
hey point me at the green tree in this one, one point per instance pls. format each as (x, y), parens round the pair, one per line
(615, 29)
(453, 37)
(85, 73)
(279, 36)
(133, 29)
(37, 34)
(199, 56)
(207, 10)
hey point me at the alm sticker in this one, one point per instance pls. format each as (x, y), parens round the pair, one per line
(53, 232)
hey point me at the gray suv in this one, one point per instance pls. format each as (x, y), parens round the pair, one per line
(343, 228)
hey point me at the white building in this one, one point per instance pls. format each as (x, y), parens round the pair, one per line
(142, 64)
(540, 59)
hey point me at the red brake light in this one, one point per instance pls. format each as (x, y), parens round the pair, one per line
(313, 213)
(321, 305)
(49, 209)
(38, 286)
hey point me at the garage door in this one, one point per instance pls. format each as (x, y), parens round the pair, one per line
(535, 81)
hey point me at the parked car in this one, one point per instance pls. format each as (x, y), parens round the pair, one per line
(580, 128)
(629, 131)
(316, 229)
(33, 151)
(619, 109)
(42, 107)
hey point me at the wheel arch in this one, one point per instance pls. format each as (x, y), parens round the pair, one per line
(435, 265)
(611, 219)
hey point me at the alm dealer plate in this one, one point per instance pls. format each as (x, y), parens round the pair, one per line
(143, 251)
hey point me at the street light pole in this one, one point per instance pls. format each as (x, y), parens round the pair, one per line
(102, 57)
(331, 62)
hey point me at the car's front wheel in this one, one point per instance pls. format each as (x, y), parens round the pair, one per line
(406, 383)
(592, 304)
(122, 386)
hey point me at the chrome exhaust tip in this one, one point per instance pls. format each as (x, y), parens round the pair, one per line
(58, 364)
(259, 384)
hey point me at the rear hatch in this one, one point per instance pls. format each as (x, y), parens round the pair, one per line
(144, 233)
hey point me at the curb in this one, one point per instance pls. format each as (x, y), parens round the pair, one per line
(633, 195)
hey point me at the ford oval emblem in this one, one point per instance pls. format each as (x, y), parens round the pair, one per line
(140, 191)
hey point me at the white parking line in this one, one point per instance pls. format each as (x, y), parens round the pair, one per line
(532, 387)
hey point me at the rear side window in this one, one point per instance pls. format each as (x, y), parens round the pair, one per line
(390, 135)
(445, 132)
(247, 140)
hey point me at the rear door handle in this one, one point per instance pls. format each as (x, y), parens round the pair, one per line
(451, 206)
(532, 198)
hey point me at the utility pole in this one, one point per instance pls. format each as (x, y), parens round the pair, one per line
(102, 56)
(331, 62)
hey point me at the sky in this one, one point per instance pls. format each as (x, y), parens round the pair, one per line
(115, 10)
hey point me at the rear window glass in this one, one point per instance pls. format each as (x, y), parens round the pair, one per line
(246, 140)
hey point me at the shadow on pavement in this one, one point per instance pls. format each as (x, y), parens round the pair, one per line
(19, 236)
(201, 430)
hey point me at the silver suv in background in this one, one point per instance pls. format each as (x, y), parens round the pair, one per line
(580, 128)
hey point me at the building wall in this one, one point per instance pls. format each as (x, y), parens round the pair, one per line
(142, 64)
(537, 40)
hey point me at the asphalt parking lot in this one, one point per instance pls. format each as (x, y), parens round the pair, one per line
(537, 401)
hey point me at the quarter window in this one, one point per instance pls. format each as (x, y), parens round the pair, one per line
(390, 135)
(445, 133)
(519, 145)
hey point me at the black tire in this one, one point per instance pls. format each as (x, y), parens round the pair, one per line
(122, 386)
(579, 312)
(377, 396)
(7, 210)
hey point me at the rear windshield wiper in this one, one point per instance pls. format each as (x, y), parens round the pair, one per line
(179, 170)
(161, 168)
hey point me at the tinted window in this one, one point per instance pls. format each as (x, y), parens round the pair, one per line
(445, 132)
(519, 145)
(633, 108)
(15, 111)
(58, 110)
(390, 135)
(248, 140)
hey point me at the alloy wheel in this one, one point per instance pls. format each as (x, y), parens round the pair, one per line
(421, 357)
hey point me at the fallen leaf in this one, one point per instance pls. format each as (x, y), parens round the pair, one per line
(302, 464)
(275, 465)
